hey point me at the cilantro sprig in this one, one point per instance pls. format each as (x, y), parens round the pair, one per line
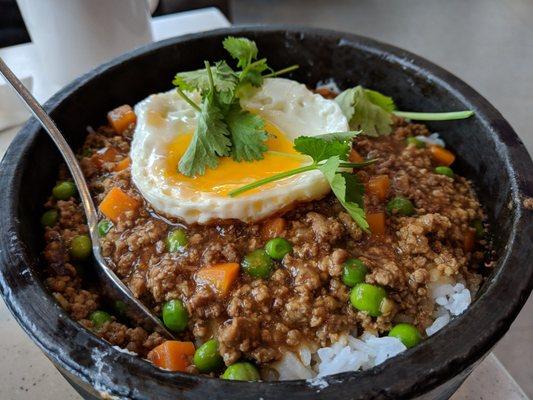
(224, 128)
(328, 153)
(211, 136)
(372, 112)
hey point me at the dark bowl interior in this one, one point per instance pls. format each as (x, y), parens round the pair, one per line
(489, 151)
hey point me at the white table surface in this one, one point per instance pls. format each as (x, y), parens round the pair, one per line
(25, 373)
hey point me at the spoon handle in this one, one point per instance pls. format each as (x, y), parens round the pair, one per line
(112, 286)
(57, 137)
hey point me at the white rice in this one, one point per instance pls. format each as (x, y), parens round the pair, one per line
(452, 300)
(367, 351)
(351, 354)
(292, 367)
(347, 354)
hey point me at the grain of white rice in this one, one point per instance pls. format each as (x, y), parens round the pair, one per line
(452, 300)
(438, 324)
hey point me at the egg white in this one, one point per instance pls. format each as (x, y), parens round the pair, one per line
(287, 104)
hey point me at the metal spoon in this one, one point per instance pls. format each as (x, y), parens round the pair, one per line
(112, 286)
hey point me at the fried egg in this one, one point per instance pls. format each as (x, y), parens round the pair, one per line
(165, 126)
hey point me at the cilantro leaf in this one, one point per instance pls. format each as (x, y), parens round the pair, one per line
(247, 134)
(322, 148)
(245, 52)
(329, 168)
(367, 110)
(342, 136)
(224, 79)
(242, 49)
(253, 73)
(354, 189)
(347, 188)
(223, 127)
(357, 213)
(385, 102)
(346, 101)
(210, 140)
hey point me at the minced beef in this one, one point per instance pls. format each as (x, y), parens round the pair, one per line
(304, 300)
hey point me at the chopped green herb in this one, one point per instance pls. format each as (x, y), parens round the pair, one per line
(347, 188)
(224, 79)
(371, 111)
(441, 116)
(223, 127)
(210, 140)
(247, 134)
(328, 153)
(320, 148)
(367, 110)
(242, 49)
(104, 226)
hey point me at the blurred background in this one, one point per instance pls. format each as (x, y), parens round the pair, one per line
(487, 43)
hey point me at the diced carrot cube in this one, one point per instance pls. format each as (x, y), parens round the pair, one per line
(172, 355)
(326, 92)
(441, 156)
(376, 222)
(378, 186)
(273, 227)
(116, 203)
(105, 155)
(121, 118)
(122, 164)
(355, 157)
(219, 276)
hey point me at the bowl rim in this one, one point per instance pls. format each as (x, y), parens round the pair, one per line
(416, 371)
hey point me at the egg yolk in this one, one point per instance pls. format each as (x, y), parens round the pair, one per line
(230, 174)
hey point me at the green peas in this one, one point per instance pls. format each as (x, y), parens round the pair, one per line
(103, 227)
(407, 333)
(175, 315)
(442, 170)
(207, 358)
(99, 318)
(277, 248)
(477, 224)
(411, 140)
(241, 371)
(367, 297)
(354, 272)
(80, 247)
(176, 240)
(400, 205)
(64, 190)
(49, 218)
(257, 264)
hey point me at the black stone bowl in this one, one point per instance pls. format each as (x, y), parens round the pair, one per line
(489, 153)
